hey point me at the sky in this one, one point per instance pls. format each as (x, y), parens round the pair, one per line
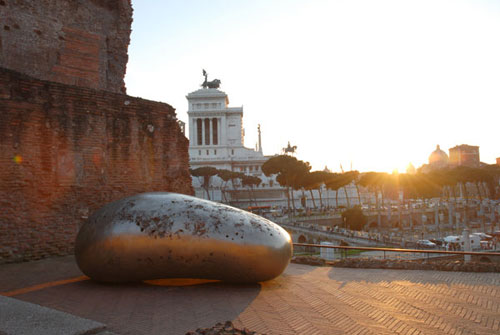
(372, 85)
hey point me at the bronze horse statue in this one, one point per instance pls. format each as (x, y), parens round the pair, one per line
(210, 84)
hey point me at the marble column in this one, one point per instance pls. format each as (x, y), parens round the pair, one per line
(219, 131)
(202, 132)
(211, 135)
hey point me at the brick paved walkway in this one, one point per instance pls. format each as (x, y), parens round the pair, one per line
(305, 300)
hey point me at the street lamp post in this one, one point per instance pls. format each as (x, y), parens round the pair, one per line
(441, 219)
(424, 220)
(436, 219)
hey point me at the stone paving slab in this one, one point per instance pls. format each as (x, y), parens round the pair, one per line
(304, 300)
(22, 318)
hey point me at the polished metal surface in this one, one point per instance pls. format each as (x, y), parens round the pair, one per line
(169, 235)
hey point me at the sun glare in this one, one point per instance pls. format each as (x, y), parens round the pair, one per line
(367, 81)
(18, 159)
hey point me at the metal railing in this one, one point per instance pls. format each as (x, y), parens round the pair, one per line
(422, 251)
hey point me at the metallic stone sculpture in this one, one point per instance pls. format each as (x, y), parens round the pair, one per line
(169, 235)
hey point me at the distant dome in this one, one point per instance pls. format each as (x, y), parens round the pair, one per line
(438, 157)
(410, 169)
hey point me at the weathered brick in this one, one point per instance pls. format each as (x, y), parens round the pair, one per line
(81, 43)
(66, 151)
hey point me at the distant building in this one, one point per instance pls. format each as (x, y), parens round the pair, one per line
(460, 155)
(410, 169)
(498, 161)
(438, 159)
(216, 134)
(216, 139)
(464, 155)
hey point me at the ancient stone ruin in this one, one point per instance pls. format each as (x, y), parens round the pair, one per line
(70, 139)
(82, 43)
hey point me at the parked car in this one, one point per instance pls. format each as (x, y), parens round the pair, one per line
(437, 241)
(496, 234)
(425, 244)
(483, 236)
(475, 241)
(486, 245)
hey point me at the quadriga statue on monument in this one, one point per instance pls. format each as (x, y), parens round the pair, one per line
(210, 84)
(169, 235)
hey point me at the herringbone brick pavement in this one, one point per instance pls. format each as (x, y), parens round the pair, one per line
(304, 300)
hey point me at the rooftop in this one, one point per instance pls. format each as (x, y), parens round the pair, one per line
(207, 93)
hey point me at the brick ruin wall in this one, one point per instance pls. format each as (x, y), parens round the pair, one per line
(77, 42)
(66, 151)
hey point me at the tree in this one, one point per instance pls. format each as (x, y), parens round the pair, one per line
(277, 165)
(334, 183)
(346, 179)
(234, 179)
(226, 176)
(355, 178)
(295, 175)
(206, 173)
(492, 177)
(375, 182)
(444, 179)
(305, 183)
(313, 181)
(354, 218)
(251, 182)
(481, 176)
(289, 170)
(320, 177)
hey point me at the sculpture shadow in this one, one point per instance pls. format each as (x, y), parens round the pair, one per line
(149, 308)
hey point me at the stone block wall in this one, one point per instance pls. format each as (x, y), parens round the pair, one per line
(66, 151)
(77, 42)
